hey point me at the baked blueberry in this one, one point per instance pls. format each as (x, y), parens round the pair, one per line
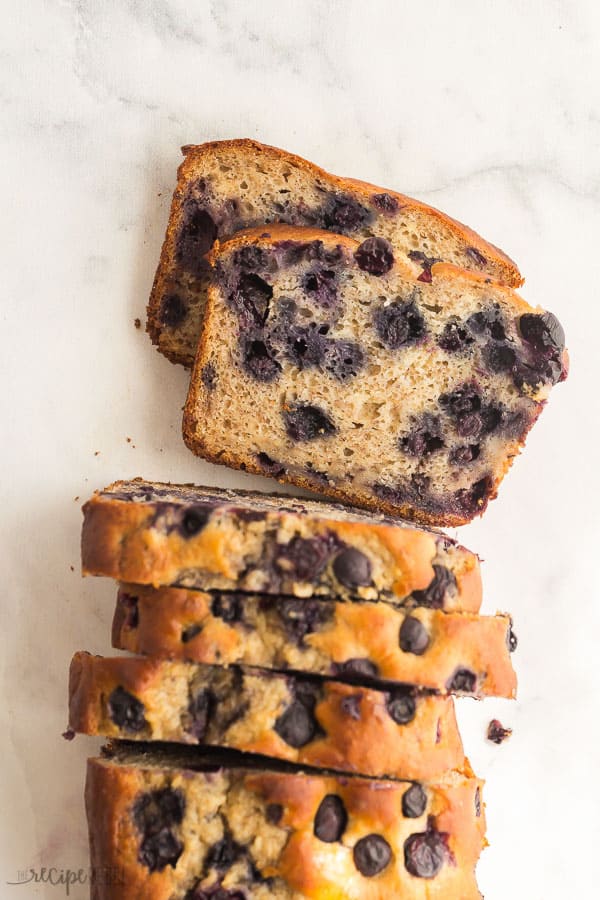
(463, 681)
(357, 667)
(302, 617)
(476, 256)
(434, 595)
(126, 711)
(385, 203)
(253, 295)
(321, 285)
(372, 854)
(352, 568)
(196, 236)
(297, 725)
(454, 337)
(259, 359)
(271, 466)
(331, 819)
(426, 262)
(462, 456)
(193, 520)
(342, 213)
(399, 324)
(375, 256)
(414, 802)
(413, 636)
(199, 711)
(497, 733)
(154, 813)
(401, 706)
(307, 423)
(157, 851)
(228, 607)
(343, 359)
(489, 321)
(223, 853)
(425, 853)
(542, 332)
(425, 438)
(499, 357)
(305, 558)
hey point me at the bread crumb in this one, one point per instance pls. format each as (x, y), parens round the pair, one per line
(128, 440)
(96, 453)
(72, 568)
(137, 323)
(75, 499)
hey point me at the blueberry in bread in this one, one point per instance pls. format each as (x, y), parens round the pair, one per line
(358, 641)
(226, 186)
(327, 364)
(349, 728)
(151, 533)
(175, 827)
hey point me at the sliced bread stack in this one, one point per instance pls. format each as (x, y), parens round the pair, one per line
(289, 729)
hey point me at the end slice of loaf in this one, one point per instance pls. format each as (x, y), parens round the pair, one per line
(328, 364)
(225, 186)
(167, 827)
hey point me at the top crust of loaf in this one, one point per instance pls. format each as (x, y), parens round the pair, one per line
(478, 253)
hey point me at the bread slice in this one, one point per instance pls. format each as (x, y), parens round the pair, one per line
(373, 643)
(291, 717)
(327, 364)
(160, 534)
(225, 186)
(169, 826)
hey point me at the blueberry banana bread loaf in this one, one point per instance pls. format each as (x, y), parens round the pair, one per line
(225, 186)
(360, 641)
(327, 364)
(307, 721)
(174, 827)
(161, 534)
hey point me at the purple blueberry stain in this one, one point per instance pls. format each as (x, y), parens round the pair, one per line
(399, 324)
(425, 438)
(126, 711)
(305, 422)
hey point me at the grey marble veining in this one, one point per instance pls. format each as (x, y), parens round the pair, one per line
(490, 111)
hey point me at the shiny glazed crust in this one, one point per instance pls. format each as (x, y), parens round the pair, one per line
(359, 640)
(271, 817)
(352, 727)
(245, 544)
(357, 408)
(446, 238)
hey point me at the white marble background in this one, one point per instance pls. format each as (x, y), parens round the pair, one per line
(490, 110)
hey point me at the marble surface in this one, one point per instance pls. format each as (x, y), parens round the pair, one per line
(490, 111)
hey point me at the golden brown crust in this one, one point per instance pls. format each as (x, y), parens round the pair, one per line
(497, 263)
(180, 624)
(356, 732)
(121, 540)
(289, 852)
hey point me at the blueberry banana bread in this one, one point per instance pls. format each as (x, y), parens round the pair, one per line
(161, 534)
(358, 641)
(327, 364)
(174, 827)
(225, 186)
(307, 721)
